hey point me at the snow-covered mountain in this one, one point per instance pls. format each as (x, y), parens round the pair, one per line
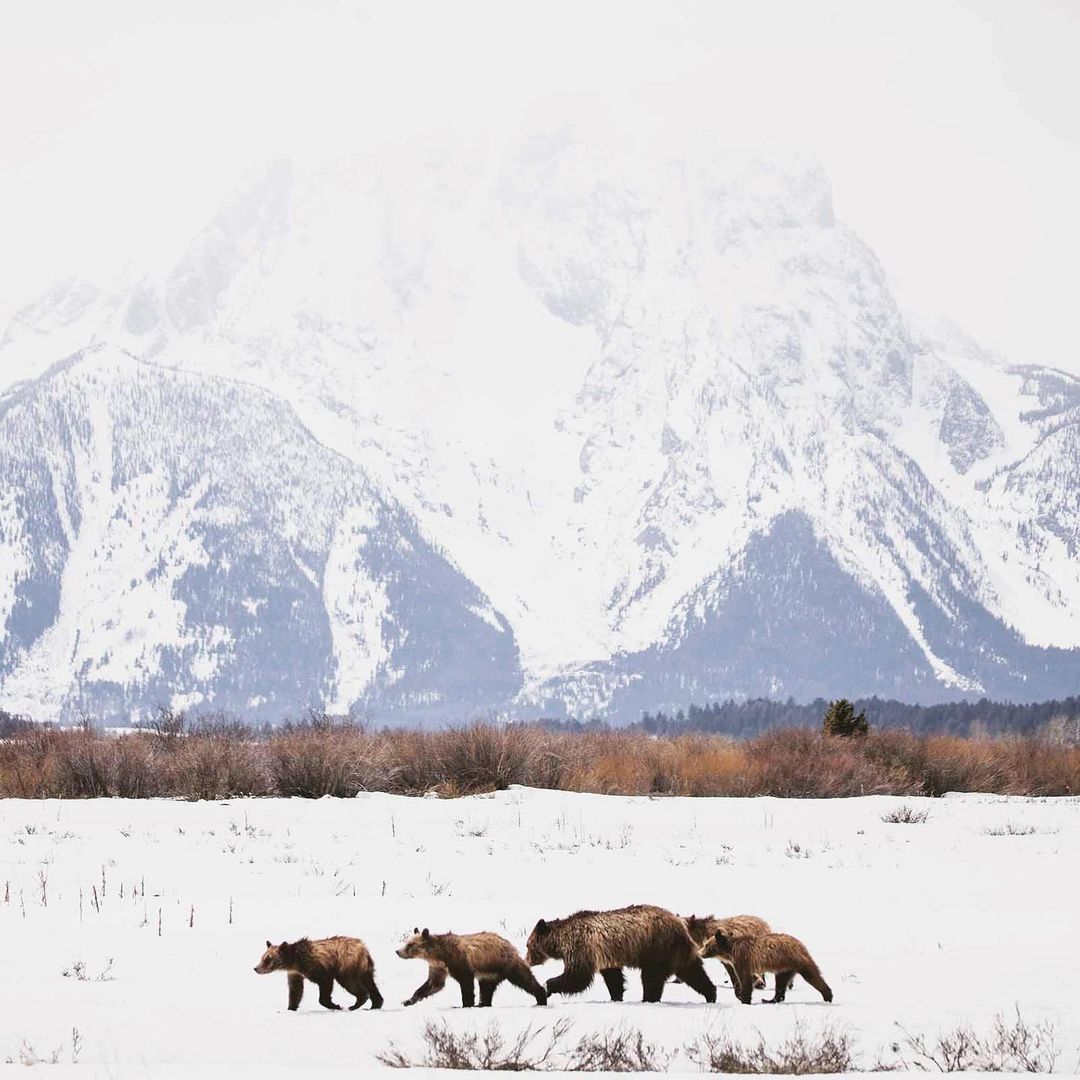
(562, 427)
(184, 539)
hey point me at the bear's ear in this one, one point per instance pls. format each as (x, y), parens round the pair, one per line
(425, 935)
(416, 929)
(541, 927)
(268, 945)
(283, 945)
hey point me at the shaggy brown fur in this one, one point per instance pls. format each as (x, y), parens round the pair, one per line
(782, 953)
(324, 961)
(703, 927)
(641, 936)
(486, 957)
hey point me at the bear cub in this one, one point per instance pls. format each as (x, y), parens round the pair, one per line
(324, 961)
(485, 957)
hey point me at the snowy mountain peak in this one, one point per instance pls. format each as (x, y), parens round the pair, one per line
(659, 425)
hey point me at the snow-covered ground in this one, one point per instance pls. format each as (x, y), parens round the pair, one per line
(166, 907)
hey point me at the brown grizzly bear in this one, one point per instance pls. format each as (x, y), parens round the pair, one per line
(640, 936)
(486, 957)
(344, 959)
(782, 953)
(701, 928)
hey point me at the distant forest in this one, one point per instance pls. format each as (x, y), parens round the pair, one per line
(748, 718)
(739, 719)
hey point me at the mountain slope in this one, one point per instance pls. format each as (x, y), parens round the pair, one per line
(177, 539)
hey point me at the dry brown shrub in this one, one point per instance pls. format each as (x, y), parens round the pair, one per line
(629, 763)
(312, 762)
(81, 764)
(411, 763)
(327, 757)
(713, 766)
(27, 764)
(1037, 767)
(133, 766)
(218, 764)
(797, 763)
(612, 771)
(488, 757)
(956, 764)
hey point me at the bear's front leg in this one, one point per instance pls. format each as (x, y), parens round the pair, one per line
(296, 990)
(573, 980)
(468, 992)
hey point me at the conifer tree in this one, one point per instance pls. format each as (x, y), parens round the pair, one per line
(841, 720)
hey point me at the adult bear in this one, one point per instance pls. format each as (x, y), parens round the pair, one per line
(641, 936)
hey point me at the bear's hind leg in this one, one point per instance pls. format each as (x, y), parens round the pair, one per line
(368, 982)
(813, 977)
(616, 982)
(783, 981)
(523, 978)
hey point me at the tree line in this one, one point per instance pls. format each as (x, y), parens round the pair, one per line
(757, 715)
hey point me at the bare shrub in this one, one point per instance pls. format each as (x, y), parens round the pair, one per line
(609, 765)
(617, 1050)
(411, 765)
(1009, 1047)
(219, 758)
(1060, 731)
(489, 757)
(167, 724)
(1035, 766)
(905, 815)
(1010, 828)
(11, 725)
(486, 1052)
(27, 763)
(956, 764)
(81, 764)
(828, 1051)
(133, 766)
(311, 762)
(80, 973)
(29, 1055)
(806, 764)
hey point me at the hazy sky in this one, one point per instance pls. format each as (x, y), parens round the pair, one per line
(949, 128)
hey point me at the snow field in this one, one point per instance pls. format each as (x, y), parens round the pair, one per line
(917, 927)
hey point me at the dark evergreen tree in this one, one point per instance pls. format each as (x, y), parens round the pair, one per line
(843, 721)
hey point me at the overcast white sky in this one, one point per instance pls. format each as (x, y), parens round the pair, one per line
(950, 128)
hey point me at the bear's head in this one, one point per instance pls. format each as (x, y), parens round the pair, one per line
(419, 945)
(697, 928)
(719, 945)
(275, 958)
(542, 945)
